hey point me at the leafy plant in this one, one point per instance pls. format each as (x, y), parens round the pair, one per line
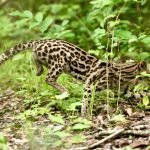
(57, 119)
(78, 139)
(3, 143)
(81, 124)
(115, 32)
(118, 118)
(145, 100)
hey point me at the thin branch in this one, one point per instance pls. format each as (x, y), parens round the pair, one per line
(114, 134)
(137, 132)
(126, 132)
(106, 138)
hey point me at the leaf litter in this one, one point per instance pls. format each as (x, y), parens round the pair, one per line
(130, 129)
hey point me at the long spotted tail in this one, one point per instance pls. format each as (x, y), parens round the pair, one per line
(15, 50)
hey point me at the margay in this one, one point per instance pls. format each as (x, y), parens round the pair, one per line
(60, 56)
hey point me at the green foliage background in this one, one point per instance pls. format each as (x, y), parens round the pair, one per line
(118, 26)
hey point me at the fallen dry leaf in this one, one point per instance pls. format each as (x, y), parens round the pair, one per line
(140, 143)
(129, 111)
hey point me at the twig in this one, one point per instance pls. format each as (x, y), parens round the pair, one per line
(127, 132)
(106, 138)
(137, 132)
(111, 134)
(101, 133)
(114, 134)
(7, 95)
(139, 127)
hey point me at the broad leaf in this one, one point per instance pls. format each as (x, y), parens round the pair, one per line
(78, 139)
(62, 96)
(145, 100)
(46, 23)
(18, 57)
(123, 34)
(80, 126)
(56, 119)
(39, 17)
(27, 14)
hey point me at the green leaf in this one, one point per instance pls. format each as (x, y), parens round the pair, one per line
(18, 57)
(62, 96)
(78, 139)
(45, 93)
(146, 40)
(144, 55)
(94, 52)
(101, 3)
(99, 33)
(140, 86)
(42, 111)
(2, 139)
(21, 22)
(39, 17)
(3, 143)
(46, 23)
(22, 79)
(16, 13)
(57, 119)
(62, 134)
(27, 14)
(24, 14)
(34, 24)
(81, 120)
(118, 118)
(72, 107)
(113, 24)
(80, 126)
(124, 34)
(65, 22)
(145, 100)
(141, 37)
(133, 40)
(144, 74)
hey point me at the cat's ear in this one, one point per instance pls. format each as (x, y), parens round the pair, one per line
(143, 65)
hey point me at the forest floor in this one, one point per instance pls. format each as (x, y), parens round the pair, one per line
(130, 130)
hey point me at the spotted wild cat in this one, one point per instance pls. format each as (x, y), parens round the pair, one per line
(61, 56)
